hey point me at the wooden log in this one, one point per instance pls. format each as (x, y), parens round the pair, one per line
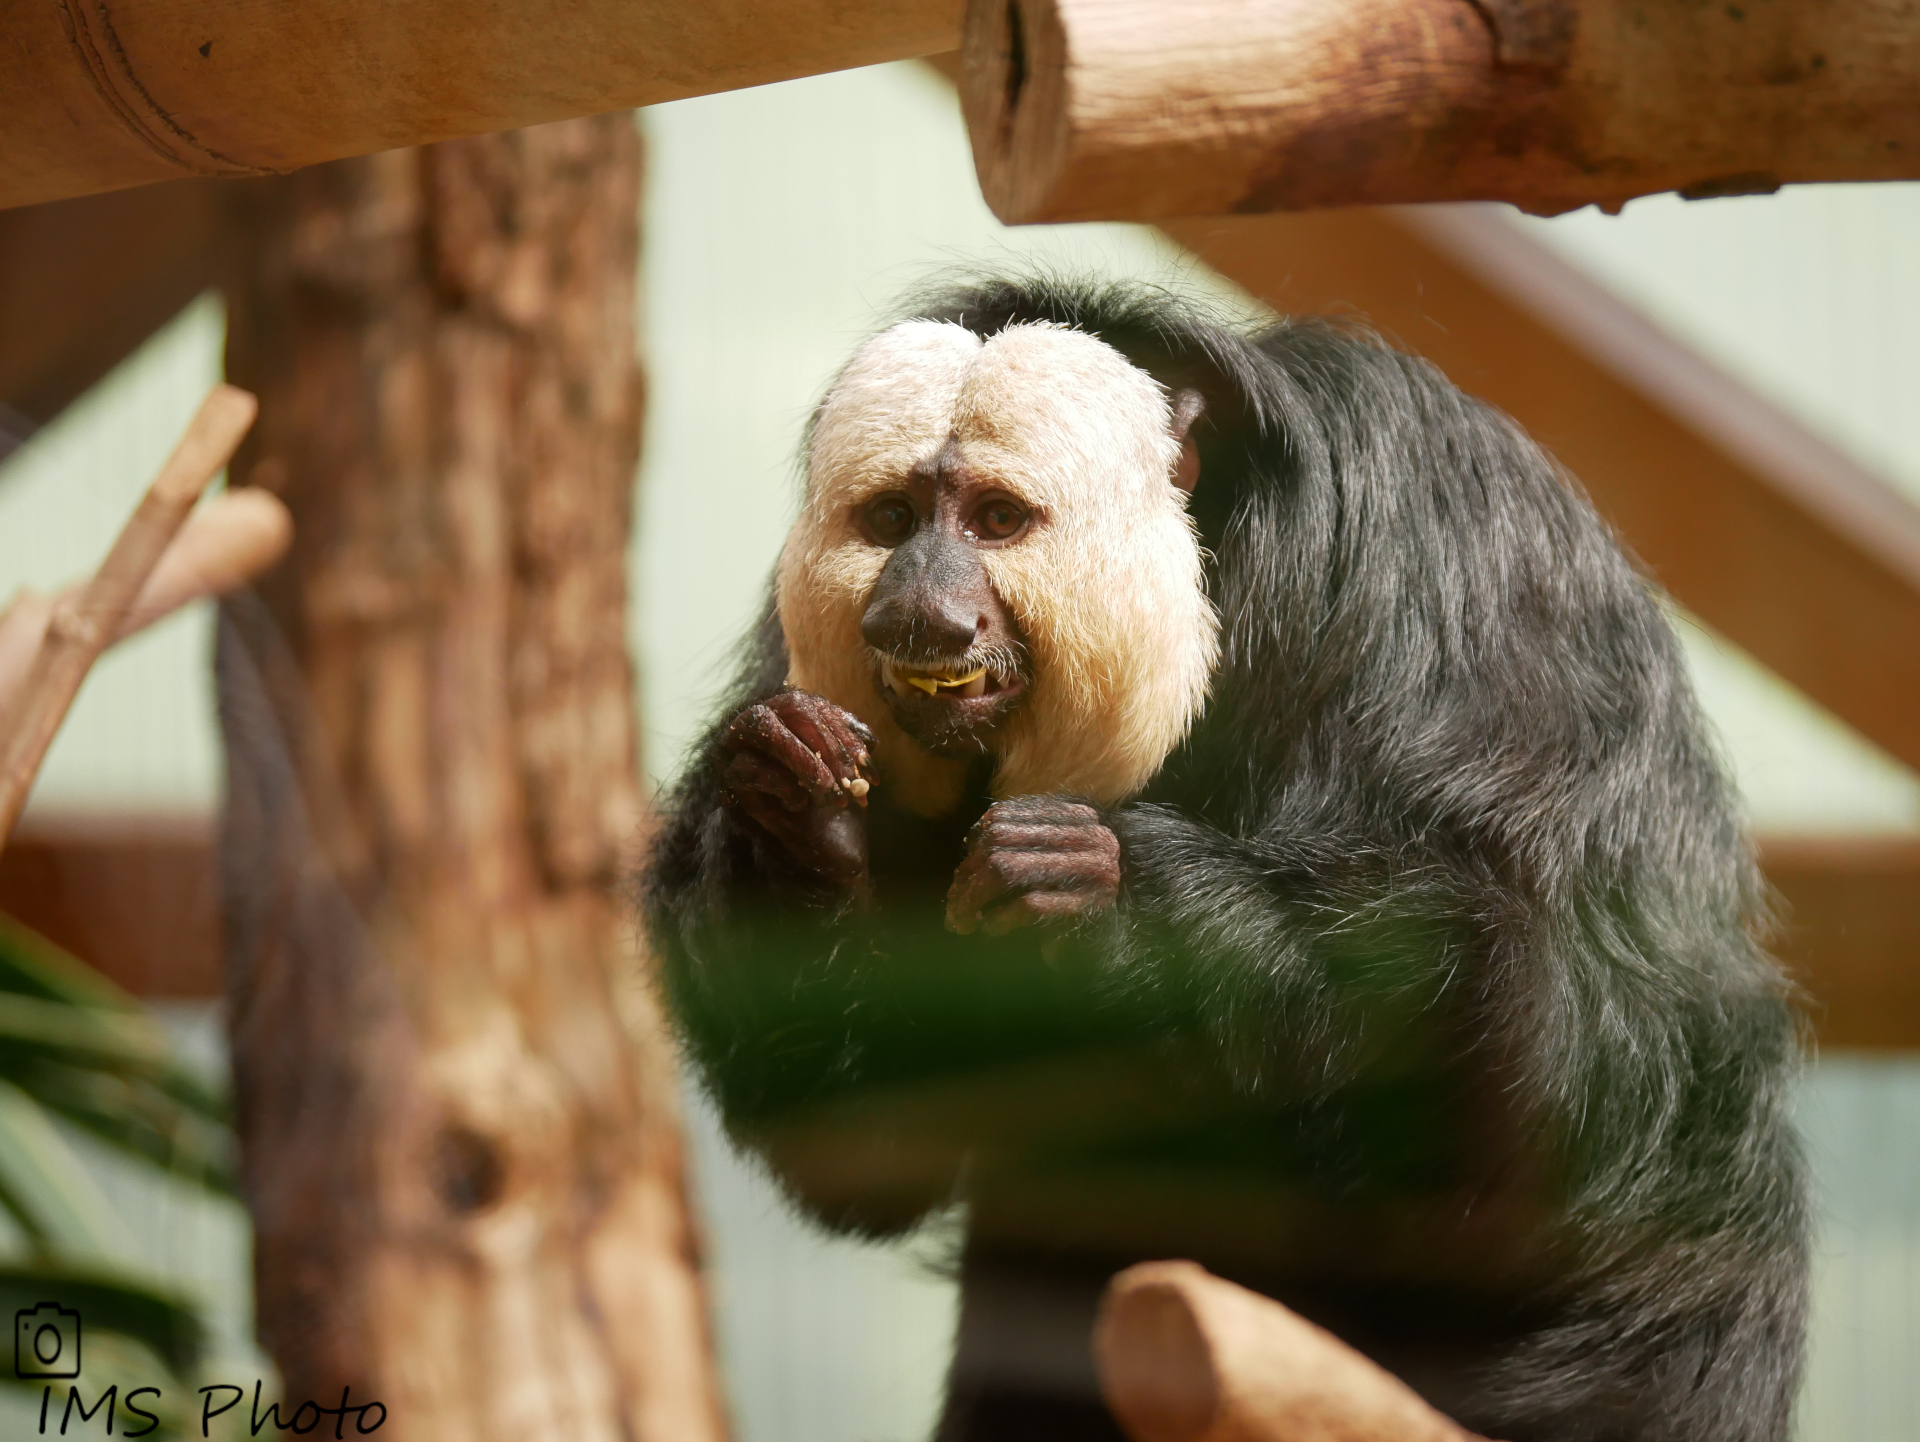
(1185, 1356)
(110, 94)
(457, 1110)
(1136, 109)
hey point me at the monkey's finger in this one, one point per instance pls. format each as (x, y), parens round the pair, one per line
(1046, 836)
(856, 740)
(982, 877)
(750, 776)
(987, 877)
(813, 721)
(1038, 906)
(859, 728)
(764, 731)
(974, 888)
(1057, 810)
(855, 733)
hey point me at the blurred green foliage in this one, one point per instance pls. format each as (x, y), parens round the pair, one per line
(75, 1049)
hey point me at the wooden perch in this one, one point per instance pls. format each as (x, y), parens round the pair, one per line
(84, 622)
(107, 94)
(224, 544)
(1185, 1356)
(1137, 109)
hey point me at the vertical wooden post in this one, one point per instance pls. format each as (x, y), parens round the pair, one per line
(460, 1139)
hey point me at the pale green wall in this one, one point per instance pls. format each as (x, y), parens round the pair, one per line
(781, 224)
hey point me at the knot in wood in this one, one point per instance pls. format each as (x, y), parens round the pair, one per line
(469, 1173)
(75, 627)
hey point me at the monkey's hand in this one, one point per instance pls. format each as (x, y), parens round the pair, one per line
(790, 765)
(1034, 858)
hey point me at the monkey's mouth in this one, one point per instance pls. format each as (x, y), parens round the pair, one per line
(953, 707)
(949, 683)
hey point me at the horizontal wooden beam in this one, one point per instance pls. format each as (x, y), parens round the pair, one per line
(1850, 934)
(136, 897)
(1765, 532)
(111, 93)
(1142, 109)
(84, 282)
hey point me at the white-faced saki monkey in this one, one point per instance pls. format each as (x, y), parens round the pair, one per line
(1213, 790)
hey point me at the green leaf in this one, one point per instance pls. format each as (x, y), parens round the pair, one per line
(48, 1191)
(136, 1119)
(110, 1301)
(85, 1050)
(33, 966)
(122, 1041)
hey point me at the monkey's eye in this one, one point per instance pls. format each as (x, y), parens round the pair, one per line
(888, 520)
(997, 518)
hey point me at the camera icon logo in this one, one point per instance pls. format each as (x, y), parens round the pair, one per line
(46, 1342)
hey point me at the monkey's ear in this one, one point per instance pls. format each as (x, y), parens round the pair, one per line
(1187, 406)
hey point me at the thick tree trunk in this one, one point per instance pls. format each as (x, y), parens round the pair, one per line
(461, 1148)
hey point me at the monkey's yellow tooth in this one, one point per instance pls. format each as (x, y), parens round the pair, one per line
(955, 683)
(926, 683)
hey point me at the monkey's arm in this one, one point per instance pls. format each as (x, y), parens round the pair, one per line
(798, 989)
(1294, 935)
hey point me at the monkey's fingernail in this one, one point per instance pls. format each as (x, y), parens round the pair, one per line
(859, 786)
(861, 759)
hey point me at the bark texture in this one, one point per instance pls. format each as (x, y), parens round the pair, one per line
(460, 1142)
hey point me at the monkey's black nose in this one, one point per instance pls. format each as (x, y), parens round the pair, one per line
(932, 599)
(920, 622)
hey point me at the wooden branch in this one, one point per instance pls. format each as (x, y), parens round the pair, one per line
(1185, 1356)
(222, 545)
(84, 282)
(83, 624)
(102, 96)
(1138, 109)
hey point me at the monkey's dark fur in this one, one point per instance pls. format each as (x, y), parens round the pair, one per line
(1431, 1004)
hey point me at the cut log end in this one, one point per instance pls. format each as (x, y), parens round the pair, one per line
(1013, 92)
(1155, 1365)
(1118, 110)
(1185, 1356)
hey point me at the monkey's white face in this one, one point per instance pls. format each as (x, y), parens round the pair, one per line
(1104, 583)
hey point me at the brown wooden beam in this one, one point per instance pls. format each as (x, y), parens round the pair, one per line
(111, 94)
(133, 896)
(1850, 934)
(1141, 109)
(1765, 532)
(84, 282)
